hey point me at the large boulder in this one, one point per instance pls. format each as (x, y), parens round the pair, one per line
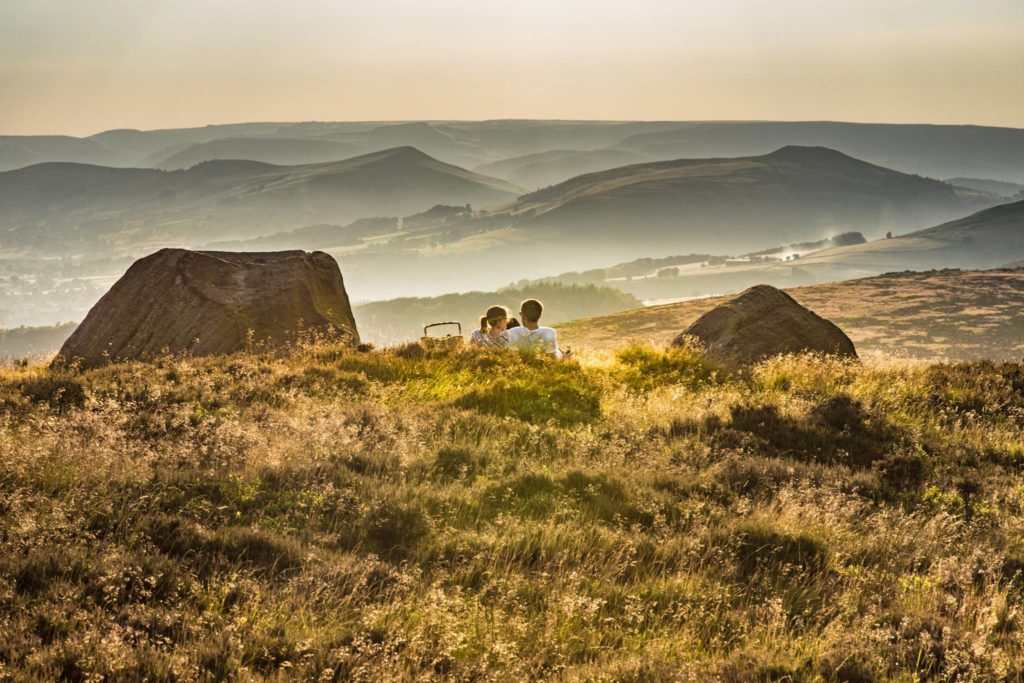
(762, 322)
(212, 302)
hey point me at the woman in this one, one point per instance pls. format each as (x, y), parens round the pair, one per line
(492, 325)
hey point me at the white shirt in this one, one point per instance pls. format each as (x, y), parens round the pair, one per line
(541, 339)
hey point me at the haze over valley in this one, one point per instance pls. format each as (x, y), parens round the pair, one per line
(542, 198)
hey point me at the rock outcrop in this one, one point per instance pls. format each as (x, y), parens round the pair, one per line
(762, 322)
(208, 302)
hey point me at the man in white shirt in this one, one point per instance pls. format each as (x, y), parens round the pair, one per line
(530, 336)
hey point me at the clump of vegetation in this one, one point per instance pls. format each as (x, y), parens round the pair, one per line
(412, 513)
(643, 368)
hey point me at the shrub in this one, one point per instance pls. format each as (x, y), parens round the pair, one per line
(455, 463)
(643, 368)
(56, 389)
(538, 399)
(394, 530)
(838, 429)
(761, 549)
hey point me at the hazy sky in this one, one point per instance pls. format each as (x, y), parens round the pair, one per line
(81, 66)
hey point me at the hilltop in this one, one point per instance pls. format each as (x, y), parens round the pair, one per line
(937, 151)
(791, 194)
(944, 314)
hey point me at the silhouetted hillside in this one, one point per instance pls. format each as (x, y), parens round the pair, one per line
(281, 151)
(65, 207)
(554, 166)
(937, 151)
(736, 204)
(942, 151)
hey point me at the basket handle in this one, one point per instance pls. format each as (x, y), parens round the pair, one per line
(452, 322)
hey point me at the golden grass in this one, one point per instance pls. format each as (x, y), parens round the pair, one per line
(334, 515)
(946, 315)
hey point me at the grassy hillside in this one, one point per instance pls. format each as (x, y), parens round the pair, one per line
(333, 515)
(945, 314)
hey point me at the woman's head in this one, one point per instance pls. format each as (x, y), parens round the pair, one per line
(495, 319)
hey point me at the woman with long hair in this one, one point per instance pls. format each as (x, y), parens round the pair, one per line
(492, 326)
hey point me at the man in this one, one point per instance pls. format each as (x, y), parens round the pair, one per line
(530, 336)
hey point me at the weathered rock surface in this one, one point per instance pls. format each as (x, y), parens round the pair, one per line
(762, 322)
(209, 302)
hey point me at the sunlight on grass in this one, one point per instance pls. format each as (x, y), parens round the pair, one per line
(409, 514)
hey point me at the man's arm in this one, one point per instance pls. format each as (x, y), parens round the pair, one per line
(554, 344)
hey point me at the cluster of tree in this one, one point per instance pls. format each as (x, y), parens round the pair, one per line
(398, 320)
(33, 342)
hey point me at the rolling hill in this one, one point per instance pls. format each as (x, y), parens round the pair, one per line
(280, 151)
(74, 207)
(936, 151)
(739, 204)
(554, 166)
(941, 314)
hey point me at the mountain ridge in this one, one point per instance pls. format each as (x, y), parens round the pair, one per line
(48, 203)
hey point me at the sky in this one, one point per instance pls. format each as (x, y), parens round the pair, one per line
(81, 67)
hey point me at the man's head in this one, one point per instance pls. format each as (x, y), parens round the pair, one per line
(531, 310)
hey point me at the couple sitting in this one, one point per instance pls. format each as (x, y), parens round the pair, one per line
(498, 331)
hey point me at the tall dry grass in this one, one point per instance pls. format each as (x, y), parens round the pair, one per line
(405, 515)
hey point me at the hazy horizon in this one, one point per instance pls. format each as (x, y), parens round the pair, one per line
(80, 70)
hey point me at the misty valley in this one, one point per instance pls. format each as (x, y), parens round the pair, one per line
(606, 205)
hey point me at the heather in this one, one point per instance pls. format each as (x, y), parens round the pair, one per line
(408, 514)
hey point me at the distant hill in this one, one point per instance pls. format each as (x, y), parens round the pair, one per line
(73, 207)
(943, 314)
(554, 166)
(997, 187)
(936, 151)
(280, 151)
(739, 204)
(986, 239)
